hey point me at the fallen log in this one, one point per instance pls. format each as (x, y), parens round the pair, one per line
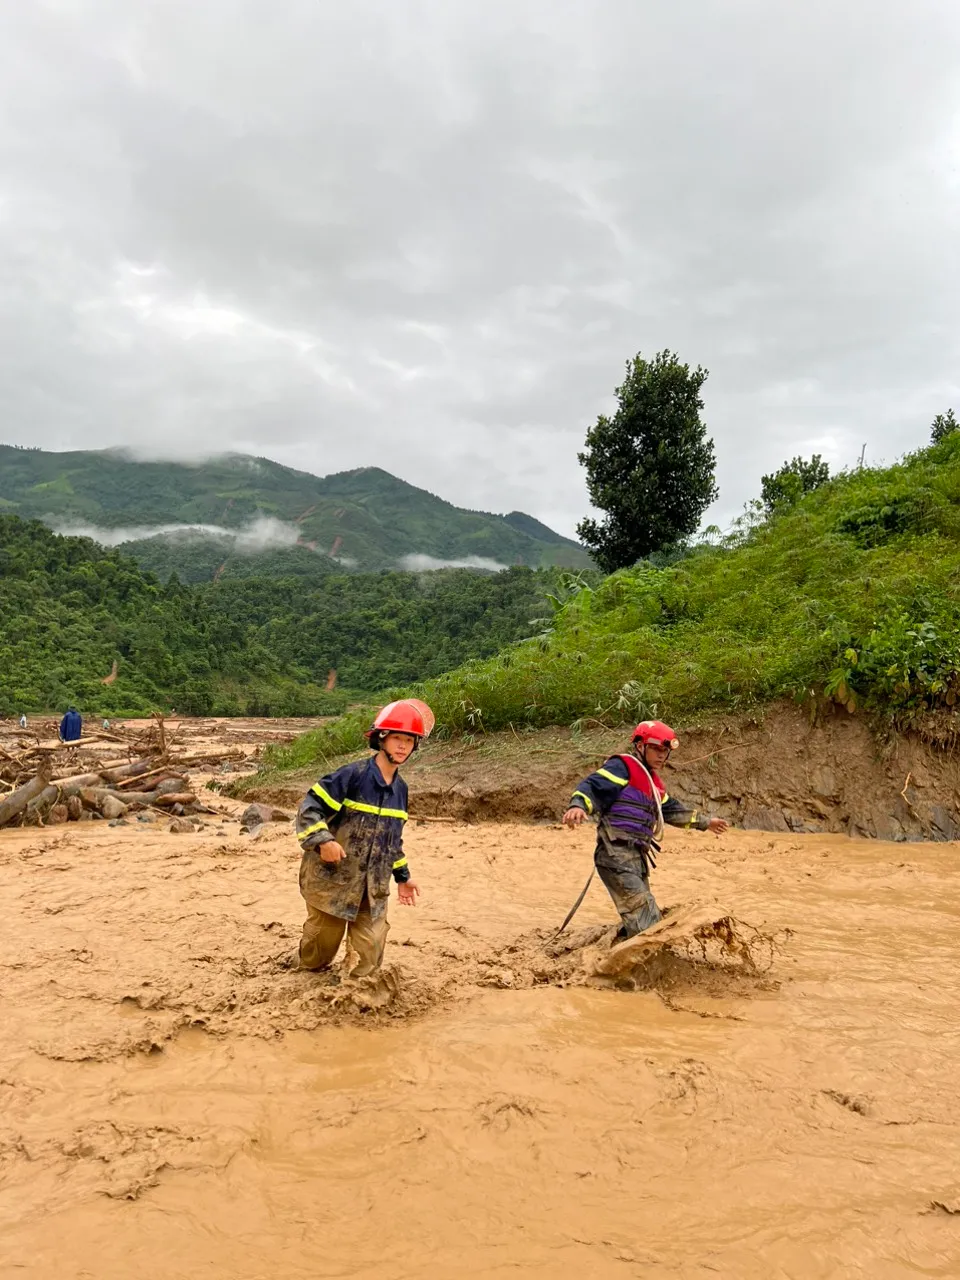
(174, 797)
(66, 788)
(155, 777)
(137, 769)
(55, 744)
(13, 805)
(93, 797)
(46, 797)
(129, 797)
(77, 780)
(210, 757)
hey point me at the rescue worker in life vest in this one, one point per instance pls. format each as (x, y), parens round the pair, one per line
(630, 803)
(350, 828)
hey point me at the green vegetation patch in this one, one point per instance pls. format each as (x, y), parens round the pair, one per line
(853, 591)
(70, 609)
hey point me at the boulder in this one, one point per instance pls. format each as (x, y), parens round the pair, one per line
(255, 815)
(171, 786)
(74, 808)
(111, 807)
(943, 825)
(181, 827)
(57, 813)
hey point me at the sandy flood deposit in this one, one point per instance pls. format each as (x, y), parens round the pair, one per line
(777, 1098)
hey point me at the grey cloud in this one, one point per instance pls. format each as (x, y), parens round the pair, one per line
(428, 236)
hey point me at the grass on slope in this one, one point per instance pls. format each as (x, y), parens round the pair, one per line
(853, 593)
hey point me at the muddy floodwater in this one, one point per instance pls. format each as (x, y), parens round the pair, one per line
(177, 1101)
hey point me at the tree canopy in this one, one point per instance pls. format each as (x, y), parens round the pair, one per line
(944, 424)
(650, 467)
(795, 478)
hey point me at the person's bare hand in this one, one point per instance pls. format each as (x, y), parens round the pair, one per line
(408, 892)
(718, 826)
(573, 817)
(330, 851)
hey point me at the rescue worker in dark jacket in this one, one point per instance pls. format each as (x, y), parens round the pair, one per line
(71, 726)
(631, 805)
(350, 827)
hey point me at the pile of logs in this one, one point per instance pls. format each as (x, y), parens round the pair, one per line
(109, 793)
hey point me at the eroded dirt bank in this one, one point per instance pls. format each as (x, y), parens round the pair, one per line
(773, 772)
(177, 1101)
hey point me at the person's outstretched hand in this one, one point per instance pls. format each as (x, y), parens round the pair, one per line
(573, 817)
(408, 892)
(718, 826)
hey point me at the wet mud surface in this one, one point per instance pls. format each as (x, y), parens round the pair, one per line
(767, 1086)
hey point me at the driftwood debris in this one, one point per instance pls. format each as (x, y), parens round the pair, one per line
(85, 795)
(155, 777)
(15, 803)
(107, 775)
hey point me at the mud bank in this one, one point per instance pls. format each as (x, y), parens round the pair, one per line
(775, 772)
(770, 1086)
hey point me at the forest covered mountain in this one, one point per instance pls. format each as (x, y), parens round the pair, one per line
(73, 613)
(264, 519)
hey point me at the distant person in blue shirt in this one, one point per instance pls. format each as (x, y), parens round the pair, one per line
(71, 726)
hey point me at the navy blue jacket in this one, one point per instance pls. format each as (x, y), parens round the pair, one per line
(365, 815)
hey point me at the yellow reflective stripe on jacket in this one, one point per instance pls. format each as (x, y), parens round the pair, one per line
(585, 798)
(400, 862)
(612, 777)
(326, 797)
(372, 808)
(310, 831)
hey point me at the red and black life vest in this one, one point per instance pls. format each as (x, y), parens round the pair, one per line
(634, 815)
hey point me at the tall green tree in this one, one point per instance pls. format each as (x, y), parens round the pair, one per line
(795, 478)
(944, 424)
(650, 468)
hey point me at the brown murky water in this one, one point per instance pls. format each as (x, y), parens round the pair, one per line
(177, 1102)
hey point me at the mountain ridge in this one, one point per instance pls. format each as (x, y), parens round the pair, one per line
(364, 518)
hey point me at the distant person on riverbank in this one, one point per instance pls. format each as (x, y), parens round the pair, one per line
(22, 721)
(350, 828)
(71, 726)
(631, 805)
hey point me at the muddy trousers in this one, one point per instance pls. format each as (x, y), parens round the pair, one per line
(630, 890)
(323, 933)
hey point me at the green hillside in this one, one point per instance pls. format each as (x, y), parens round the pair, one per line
(214, 558)
(851, 594)
(367, 518)
(69, 609)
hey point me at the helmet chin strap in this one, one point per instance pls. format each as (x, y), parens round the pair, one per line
(397, 763)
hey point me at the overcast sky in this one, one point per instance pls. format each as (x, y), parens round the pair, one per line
(427, 234)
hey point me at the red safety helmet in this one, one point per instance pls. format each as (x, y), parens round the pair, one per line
(409, 715)
(656, 732)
